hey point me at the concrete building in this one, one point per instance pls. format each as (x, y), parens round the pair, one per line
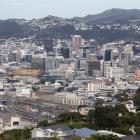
(24, 91)
(58, 61)
(76, 43)
(95, 86)
(137, 72)
(69, 99)
(49, 63)
(28, 58)
(15, 56)
(85, 110)
(85, 51)
(53, 62)
(27, 72)
(93, 47)
(81, 64)
(73, 99)
(114, 72)
(38, 61)
(65, 52)
(93, 65)
(15, 122)
(130, 106)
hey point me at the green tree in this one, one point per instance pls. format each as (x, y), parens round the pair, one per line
(106, 117)
(137, 98)
(137, 119)
(128, 120)
(109, 116)
(43, 123)
(24, 134)
(121, 109)
(122, 97)
(91, 114)
(70, 116)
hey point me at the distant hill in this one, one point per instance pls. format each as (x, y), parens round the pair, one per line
(9, 29)
(62, 28)
(110, 16)
(18, 21)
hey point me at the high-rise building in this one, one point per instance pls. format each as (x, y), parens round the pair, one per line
(52, 62)
(114, 54)
(107, 64)
(81, 64)
(107, 55)
(38, 62)
(93, 47)
(124, 60)
(76, 43)
(58, 61)
(85, 51)
(65, 52)
(93, 66)
(28, 58)
(14, 56)
(49, 63)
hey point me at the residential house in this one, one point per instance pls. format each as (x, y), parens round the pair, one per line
(59, 130)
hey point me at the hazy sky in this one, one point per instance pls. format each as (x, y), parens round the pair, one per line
(64, 8)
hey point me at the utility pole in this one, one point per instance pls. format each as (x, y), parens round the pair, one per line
(93, 121)
(71, 121)
(14, 100)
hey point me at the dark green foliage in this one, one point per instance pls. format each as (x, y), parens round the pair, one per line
(91, 114)
(127, 120)
(137, 98)
(109, 117)
(24, 134)
(70, 116)
(121, 109)
(122, 97)
(106, 117)
(43, 123)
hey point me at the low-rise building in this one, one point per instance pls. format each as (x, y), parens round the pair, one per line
(96, 85)
(58, 130)
(130, 106)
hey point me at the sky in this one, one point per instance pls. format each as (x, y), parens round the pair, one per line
(63, 8)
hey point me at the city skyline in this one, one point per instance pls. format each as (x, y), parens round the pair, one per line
(29, 9)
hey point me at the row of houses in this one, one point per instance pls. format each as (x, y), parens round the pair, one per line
(63, 132)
